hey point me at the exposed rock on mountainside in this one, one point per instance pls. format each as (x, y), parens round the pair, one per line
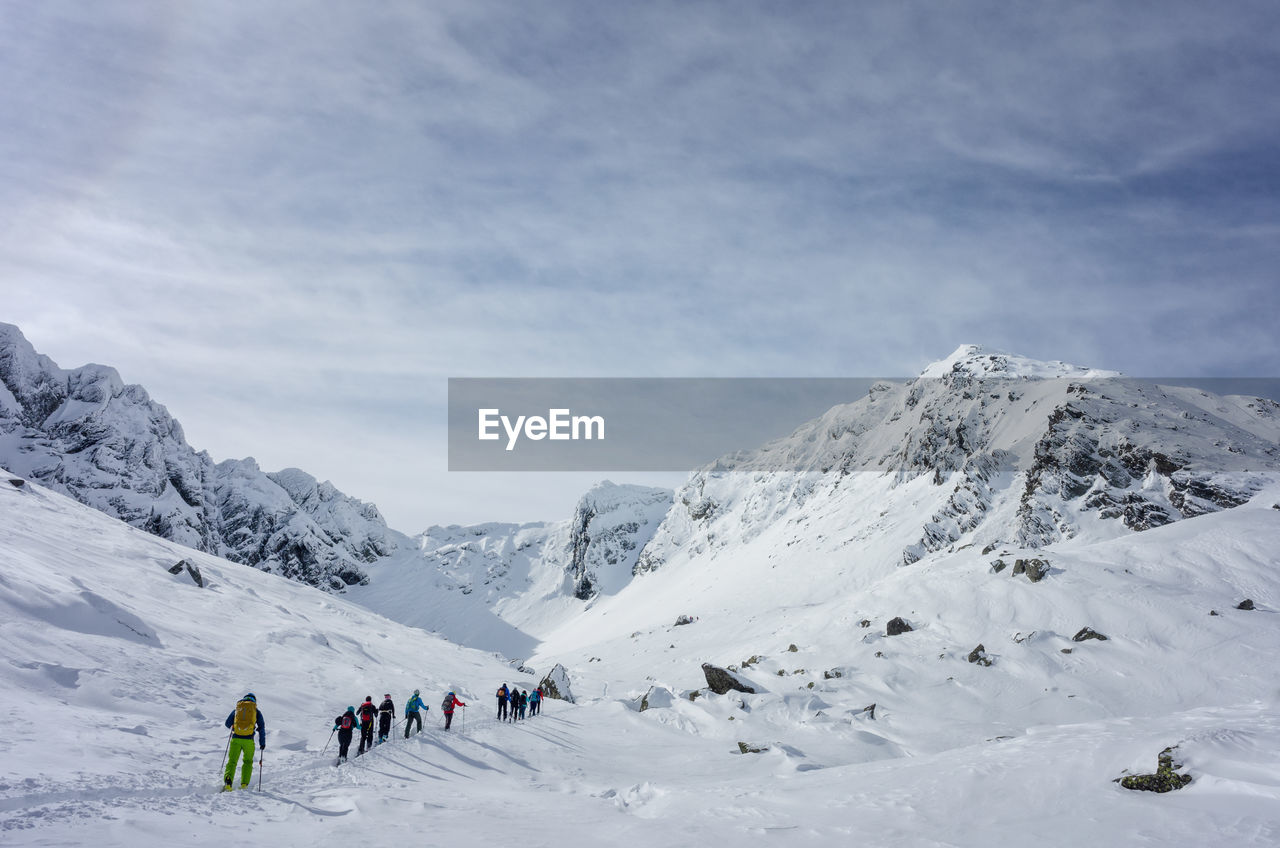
(609, 526)
(85, 433)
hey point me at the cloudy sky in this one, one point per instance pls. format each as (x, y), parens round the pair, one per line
(292, 222)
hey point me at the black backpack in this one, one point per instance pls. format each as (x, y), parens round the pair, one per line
(346, 721)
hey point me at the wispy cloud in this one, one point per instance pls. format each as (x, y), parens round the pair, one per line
(305, 216)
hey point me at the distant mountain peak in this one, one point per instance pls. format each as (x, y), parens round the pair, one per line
(979, 362)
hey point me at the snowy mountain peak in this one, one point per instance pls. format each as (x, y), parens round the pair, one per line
(979, 362)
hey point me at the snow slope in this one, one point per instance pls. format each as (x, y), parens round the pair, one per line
(124, 673)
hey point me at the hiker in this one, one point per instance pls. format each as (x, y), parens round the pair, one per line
(502, 702)
(386, 715)
(411, 713)
(367, 712)
(242, 721)
(524, 703)
(535, 701)
(450, 701)
(513, 701)
(345, 724)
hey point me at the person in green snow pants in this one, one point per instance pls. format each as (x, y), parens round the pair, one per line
(243, 721)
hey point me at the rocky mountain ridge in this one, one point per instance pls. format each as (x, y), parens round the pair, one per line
(86, 433)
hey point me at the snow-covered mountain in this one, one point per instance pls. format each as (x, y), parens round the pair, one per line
(998, 449)
(85, 433)
(985, 451)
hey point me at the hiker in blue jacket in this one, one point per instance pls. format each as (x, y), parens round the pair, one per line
(411, 714)
(242, 721)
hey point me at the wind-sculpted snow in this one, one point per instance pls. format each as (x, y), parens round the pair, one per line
(86, 433)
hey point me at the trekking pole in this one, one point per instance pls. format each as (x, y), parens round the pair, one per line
(327, 741)
(261, 751)
(223, 764)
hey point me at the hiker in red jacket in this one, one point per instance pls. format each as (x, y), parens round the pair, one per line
(450, 701)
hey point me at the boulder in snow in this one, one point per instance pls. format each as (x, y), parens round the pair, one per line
(1165, 779)
(721, 680)
(656, 698)
(1088, 633)
(896, 627)
(1246, 604)
(979, 656)
(556, 684)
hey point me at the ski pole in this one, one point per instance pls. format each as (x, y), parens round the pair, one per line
(225, 754)
(327, 741)
(261, 751)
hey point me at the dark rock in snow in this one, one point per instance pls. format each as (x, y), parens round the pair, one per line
(1165, 779)
(721, 680)
(1246, 604)
(685, 619)
(896, 627)
(998, 566)
(17, 482)
(979, 656)
(746, 748)
(1087, 633)
(192, 571)
(1035, 569)
(792, 647)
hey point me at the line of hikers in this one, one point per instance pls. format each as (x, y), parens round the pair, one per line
(246, 720)
(512, 703)
(363, 717)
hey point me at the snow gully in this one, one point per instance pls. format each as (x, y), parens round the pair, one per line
(558, 425)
